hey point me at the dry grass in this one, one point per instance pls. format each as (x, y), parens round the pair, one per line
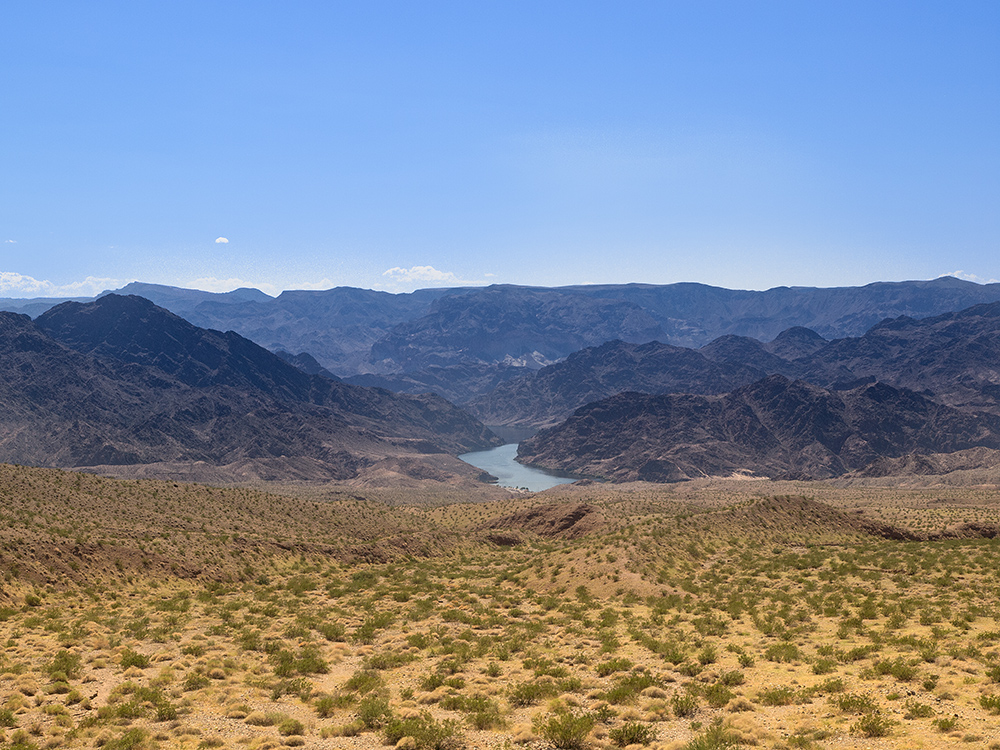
(153, 614)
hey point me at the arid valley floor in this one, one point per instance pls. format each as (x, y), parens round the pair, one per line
(709, 614)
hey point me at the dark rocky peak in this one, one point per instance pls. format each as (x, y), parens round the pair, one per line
(796, 342)
(743, 350)
(132, 329)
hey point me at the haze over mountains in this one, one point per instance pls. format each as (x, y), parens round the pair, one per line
(121, 381)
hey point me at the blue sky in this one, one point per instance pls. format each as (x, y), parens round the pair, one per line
(398, 145)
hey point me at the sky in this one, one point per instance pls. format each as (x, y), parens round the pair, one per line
(400, 145)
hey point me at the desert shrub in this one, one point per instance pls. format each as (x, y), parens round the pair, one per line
(994, 673)
(567, 731)
(268, 719)
(626, 688)
(483, 713)
(324, 706)
(898, 668)
(613, 665)
(684, 705)
(7, 718)
(363, 681)
(917, 710)
(824, 666)
(708, 654)
(195, 681)
(374, 711)
(990, 702)
(632, 733)
(332, 631)
(133, 738)
(716, 737)
(427, 733)
(946, 724)
(782, 652)
(289, 727)
(732, 679)
(529, 693)
(778, 696)
(132, 658)
(64, 664)
(873, 725)
(718, 695)
(388, 660)
(852, 703)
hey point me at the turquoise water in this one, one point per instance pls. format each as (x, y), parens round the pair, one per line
(500, 463)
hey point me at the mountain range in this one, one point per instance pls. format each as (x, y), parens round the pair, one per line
(302, 384)
(774, 427)
(120, 381)
(491, 329)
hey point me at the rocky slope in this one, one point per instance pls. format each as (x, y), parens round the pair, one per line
(775, 427)
(547, 397)
(120, 381)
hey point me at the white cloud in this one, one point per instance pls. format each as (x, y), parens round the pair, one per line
(14, 284)
(221, 241)
(416, 277)
(11, 242)
(315, 285)
(970, 277)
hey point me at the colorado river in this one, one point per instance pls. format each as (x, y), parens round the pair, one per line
(500, 463)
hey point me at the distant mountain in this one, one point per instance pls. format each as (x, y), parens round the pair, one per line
(458, 383)
(120, 381)
(775, 427)
(550, 395)
(355, 331)
(503, 324)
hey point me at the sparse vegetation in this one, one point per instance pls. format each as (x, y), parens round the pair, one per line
(191, 604)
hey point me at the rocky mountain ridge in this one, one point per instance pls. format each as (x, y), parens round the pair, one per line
(775, 427)
(120, 381)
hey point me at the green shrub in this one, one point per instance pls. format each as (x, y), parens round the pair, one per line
(626, 688)
(684, 705)
(132, 658)
(632, 733)
(824, 666)
(873, 725)
(898, 668)
(374, 711)
(529, 693)
(195, 681)
(613, 665)
(290, 727)
(916, 710)
(64, 664)
(426, 732)
(782, 652)
(324, 706)
(133, 738)
(567, 731)
(716, 737)
(990, 702)
(363, 681)
(7, 718)
(852, 703)
(946, 724)
(779, 696)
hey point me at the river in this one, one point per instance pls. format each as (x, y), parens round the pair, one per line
(500, 463)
